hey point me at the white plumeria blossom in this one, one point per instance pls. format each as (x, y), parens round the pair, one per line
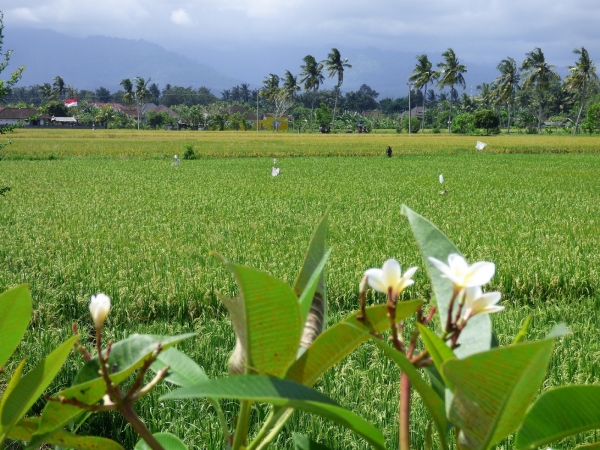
(476, 302)
(99, 308)
(390, 277)
(461, 274)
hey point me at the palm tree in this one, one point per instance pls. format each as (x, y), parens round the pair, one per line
(312, 77)
(128, 97)
(507, 84)
(271, 86)
(290, 84)
(422, 75)
(537, 73)
(581, 74)
(450, 74)
(245, 92)
(59, 86)
(485, 95)
(141, 94)
(335, 65)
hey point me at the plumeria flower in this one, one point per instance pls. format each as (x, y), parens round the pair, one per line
(390, 277)
(461, 274)
(476, 302)
(99, 308)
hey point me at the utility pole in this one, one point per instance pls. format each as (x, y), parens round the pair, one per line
(409, 110)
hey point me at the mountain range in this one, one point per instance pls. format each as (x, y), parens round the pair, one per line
(94, 61)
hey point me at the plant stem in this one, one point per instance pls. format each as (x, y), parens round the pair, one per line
(404, 420)
(222, 419)
(140, 427)
(241, 430)
(275, 430)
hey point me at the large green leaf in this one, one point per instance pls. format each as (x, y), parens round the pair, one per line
(282, 393)
(302, 442)
(14, 380)
(594, 446)
(183, 370)
(15, 313)
(128, 352)
(558, 413)
(267, 320)
(167, 440)
(492, 390)
(23, 431)
(477, 335)
(438, 350)
(26, 392)
(130, 356)
(432, 401)
(340, 340)
(309, 285)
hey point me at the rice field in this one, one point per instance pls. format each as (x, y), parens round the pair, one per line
(110, 214)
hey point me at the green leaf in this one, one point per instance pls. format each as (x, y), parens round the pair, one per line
(183, 370)
(492, 390)
(522, 334)
(167, 440)
(283, 393)
(267, 320)
(14, 380)
(594, 446)
(477, 335)
(31, 386)
(130, 356)
(302, 442)
(558, 413)
(23, 431)
(15, 314)
(439, 351)
(132, 351)
(307, 296)
(340, 340)
(432, 401)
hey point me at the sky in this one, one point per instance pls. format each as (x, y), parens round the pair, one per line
(483, 31)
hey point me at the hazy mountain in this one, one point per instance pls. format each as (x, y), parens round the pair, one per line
(87, 63)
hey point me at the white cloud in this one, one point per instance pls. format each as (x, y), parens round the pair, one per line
(22, 15)
(180, 17)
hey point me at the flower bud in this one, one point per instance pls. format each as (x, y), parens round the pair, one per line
(99, 308)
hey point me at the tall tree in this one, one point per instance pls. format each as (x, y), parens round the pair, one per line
(579, 77)
(155, 91)
(59, 86)
(290, 84)
(450, 74)
(245, 92)
(312, 77)
(537, 73)
(335, 65)
(128, 97)
(422, 75)
(270, 86)
(141, 94)
(102, 94)
(507, 84)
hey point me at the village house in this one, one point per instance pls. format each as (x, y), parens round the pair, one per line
(25, 116)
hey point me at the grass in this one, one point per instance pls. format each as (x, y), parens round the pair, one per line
(140, 231)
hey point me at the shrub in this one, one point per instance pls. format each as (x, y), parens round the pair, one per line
(189, 153)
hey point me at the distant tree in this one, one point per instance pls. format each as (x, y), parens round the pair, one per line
(422, 75)
(486, 119)
(158, 120)
(47, 92)
(323, 115)
(414, 122)
(155, 91)
(507, 84)
(245, 92)
(463, 123)
(450, 74)
(362, 100)
(141, 94)
(226, 95)
(592, 119)
(105, 115)
(218, 121)
(55, 108)
(205, 97)
(335, 65)
(59, 86)
(196, 116)
(103, 94)
(290, 84)
(538, 74)
(270, 86)
(236, 94)
(312, 78)
(580, 76)
(128, 96)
